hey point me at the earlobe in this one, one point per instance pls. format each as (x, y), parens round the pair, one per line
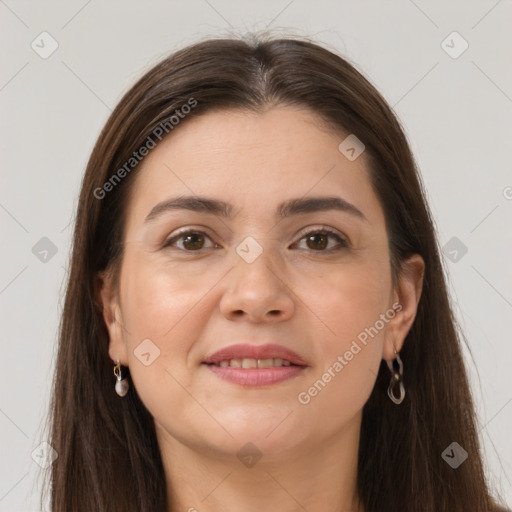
(407, 294)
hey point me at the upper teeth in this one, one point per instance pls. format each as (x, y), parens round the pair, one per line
(254, 363)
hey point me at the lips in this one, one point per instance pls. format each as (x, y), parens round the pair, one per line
(258, 352)
(256, 365)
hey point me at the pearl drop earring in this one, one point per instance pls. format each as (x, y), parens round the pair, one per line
(122, 385)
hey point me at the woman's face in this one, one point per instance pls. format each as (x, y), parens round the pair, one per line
(255, 277)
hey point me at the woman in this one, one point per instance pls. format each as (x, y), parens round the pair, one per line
(256, 316)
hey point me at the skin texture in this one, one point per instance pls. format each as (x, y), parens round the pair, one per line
(305, 296)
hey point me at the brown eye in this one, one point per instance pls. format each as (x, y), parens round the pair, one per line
(318, 241)
(193, 241)
(189, 241)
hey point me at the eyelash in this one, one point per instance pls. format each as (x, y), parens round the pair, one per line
(342, 242)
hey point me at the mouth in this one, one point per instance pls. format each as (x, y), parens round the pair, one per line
(251, 363)
(255, 365)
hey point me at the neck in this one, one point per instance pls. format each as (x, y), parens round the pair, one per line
(317, 476)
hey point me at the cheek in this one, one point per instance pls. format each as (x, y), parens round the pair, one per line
(350, 300)
(162, 314)
(159, 299)
(352, 307)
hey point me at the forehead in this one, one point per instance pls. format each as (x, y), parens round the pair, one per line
(254, 161)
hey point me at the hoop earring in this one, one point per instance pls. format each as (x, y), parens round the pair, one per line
(396, 379)
(122, 385)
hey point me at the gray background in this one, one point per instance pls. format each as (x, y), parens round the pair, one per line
(457, 113)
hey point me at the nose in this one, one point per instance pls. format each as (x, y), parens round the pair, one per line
(256, 292)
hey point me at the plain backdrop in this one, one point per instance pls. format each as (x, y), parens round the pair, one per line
(455, 105)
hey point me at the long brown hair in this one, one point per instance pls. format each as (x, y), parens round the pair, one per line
(108, 456)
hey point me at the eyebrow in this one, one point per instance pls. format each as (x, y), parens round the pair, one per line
(286, 209)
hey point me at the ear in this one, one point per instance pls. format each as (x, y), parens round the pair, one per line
(107, 298)
(406, 297)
